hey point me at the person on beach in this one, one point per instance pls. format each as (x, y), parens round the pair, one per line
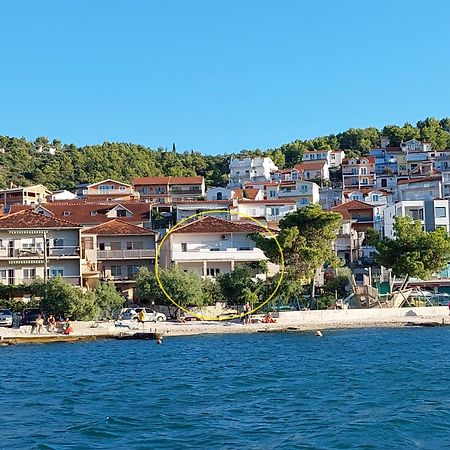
(67, 327)
(51, 323)
(247, 309)
(141, 318)
(39, 324)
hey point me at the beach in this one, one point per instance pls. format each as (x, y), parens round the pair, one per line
(301, 321)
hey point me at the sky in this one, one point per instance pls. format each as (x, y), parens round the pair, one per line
(219, 76)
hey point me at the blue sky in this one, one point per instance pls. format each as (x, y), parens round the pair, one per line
(219, 76)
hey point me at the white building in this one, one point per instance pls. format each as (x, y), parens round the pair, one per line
(62, 195)
(432, 214)
(35, 246)
(211, 246)
(424, 188)
(333, 157)
(250, 169)
(413, 145)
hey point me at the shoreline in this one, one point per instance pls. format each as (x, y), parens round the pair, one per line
(87, 331)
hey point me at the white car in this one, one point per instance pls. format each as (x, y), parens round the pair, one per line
(6, 318)
(150, 315)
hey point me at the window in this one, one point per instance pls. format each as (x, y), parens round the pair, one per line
(93, 213)
(3, 276)
(104, 188)
(29, 274)
(184, 246)
(354, 171)
(375, 197)
(129, 246)
(116, 245)
(219, 196)
(116, 271)
(101, 246)
(274, 211)
(213, 272)
(122, 188)
(66, 213)
(88, 243)
(121, 212)
(58, 242)
(363, 170)
(365, 181)
(272, 194)
(440, 211)
(139, 245)
(55, 272)
(294, 175)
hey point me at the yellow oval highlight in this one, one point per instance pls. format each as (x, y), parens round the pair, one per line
(221, 211)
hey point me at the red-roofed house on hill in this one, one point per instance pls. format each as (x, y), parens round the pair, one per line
(211, 246)
(107, 190)
(115, 251)
(34, 246)
(361, 214)
(358, 172)
(170, 189)
(313, 170)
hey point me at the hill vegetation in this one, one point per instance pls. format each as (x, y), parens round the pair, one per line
(21, 164)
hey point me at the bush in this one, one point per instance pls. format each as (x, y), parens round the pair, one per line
(108, 300)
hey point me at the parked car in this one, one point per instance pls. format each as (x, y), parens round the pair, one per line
(29, 315)
(150, 315)
(6, 318)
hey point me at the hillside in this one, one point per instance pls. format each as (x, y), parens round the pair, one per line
(21, 164)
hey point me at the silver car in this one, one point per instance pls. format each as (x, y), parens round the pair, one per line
(150, 315)
(6, 318)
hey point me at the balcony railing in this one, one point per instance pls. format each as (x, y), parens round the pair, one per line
(126, 254)
(109, 192)
(27, 281)
(38, 252)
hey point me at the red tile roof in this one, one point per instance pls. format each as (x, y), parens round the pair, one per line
(116, 227)
(247, 193)
(352, 204)
(420, 180)
(209, 224)
(30, 219)
(90, 213)
(370, 159)
(311, 165)
(167, 180)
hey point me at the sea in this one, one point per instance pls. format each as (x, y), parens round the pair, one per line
(383, 388)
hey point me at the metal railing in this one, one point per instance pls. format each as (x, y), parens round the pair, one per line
(126, 254)
(38, 252)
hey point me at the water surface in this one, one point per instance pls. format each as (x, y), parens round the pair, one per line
(376, 388)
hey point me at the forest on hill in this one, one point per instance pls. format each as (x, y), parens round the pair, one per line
(22, 164)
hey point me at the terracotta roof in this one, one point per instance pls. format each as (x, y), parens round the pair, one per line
(311, 165)
(246, 193)
(91, 213)
(352, 204)
(260, 183)
(345, 214)
(209, 224)
(115, 227)
(168, 180)
(370, 159)
(285, 170)
(31, 219)
(420, 180)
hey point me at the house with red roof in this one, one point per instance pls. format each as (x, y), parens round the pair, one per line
(35, 246)
(313, 170)
(211, 246)
(361, 214)
(115, 251)
(358, 172)
(170, 189)
(107, 190)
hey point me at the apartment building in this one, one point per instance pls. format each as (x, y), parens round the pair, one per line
(358, 172)
(35, 246)
(313, 170)
(115, 251)
(30, 195)
(303, 192)
(211, 246)
(107, 190)
(348, 242)
(244, 170)
(333, 157)
(361, 214)
(431, 213)
(422, 188)
(330, 196)
(170, 189)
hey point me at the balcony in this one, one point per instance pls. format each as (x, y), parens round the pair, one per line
(196, 191)
(125, 254)
(38, 252)
(110, 192)
(219, 254)
(27, 281)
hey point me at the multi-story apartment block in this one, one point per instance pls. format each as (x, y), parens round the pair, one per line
(431, 213)
(107, 190)
(35, 246)
(313, 170)
(31, 195)
(256, 169)
(348, 242)
(115, 251)
(170, 189)
(333, 157)
(211, 246)
(304, 192)
(371, 196)
(362, 214)
(414, 145)
(358, 172)
(330, 196)
(442, 160)
(219, 193)
(421, 188)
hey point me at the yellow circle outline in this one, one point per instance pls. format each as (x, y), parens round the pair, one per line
(237, 316)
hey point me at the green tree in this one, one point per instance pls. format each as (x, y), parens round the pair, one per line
(108, 300)
(187, 289)
(237, 285)
(306, 237)
(414, 252)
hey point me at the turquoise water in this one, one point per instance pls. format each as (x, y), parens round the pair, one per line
(376, 388)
